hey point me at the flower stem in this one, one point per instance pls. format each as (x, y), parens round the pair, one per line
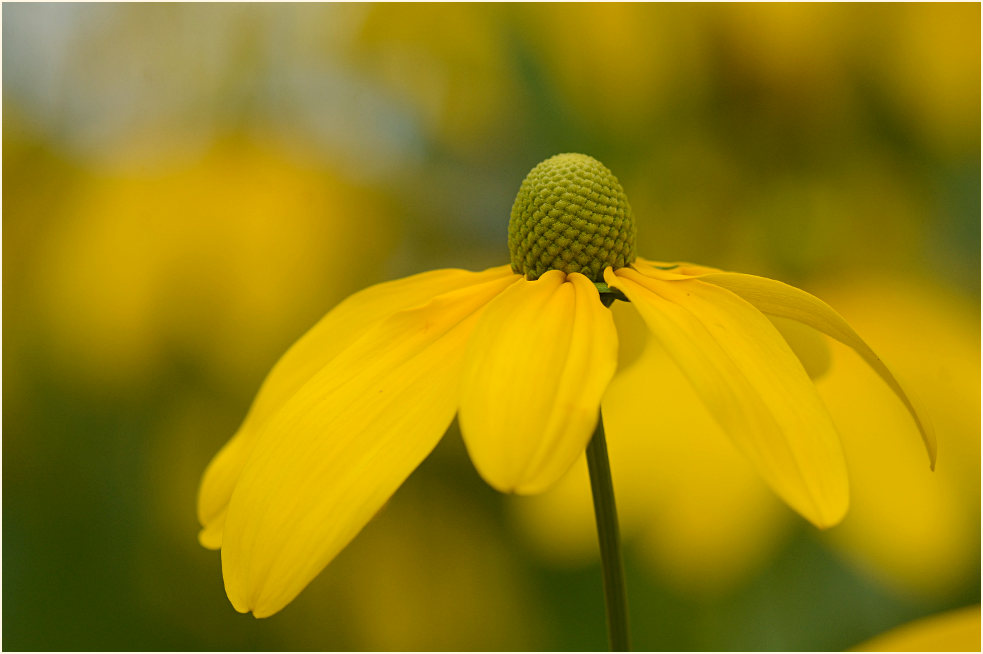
(609, 538)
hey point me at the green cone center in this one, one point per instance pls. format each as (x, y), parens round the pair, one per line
(571, 214)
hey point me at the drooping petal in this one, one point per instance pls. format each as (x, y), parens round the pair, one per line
(537, 365)
(332, 334)
(810, 347)
(753, 385)
(633, 334)
(670, 270)
(778, 299)
(335, 450)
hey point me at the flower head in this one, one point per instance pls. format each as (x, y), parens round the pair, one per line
(572, 215)
(522, 353)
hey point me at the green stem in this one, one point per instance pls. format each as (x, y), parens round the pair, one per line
(615, 595)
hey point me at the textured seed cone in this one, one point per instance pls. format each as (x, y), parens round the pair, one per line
(571, 214)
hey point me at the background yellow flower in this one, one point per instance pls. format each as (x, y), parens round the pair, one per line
(188, 187)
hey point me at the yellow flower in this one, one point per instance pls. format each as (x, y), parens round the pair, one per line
(522, 354)
(952, 631)
(918, 533)
(145, 264)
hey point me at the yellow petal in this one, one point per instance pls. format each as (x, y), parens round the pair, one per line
(670, 270)
(217, 484)
(336, 331)
(809, 346)
(537, 366)
(953, 631)
(335, 450)
(775, 298)
(633, 334)
(752, 384)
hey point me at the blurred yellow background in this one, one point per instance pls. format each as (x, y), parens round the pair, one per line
(187, 188)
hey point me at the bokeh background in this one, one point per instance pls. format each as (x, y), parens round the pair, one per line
(187, 188)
